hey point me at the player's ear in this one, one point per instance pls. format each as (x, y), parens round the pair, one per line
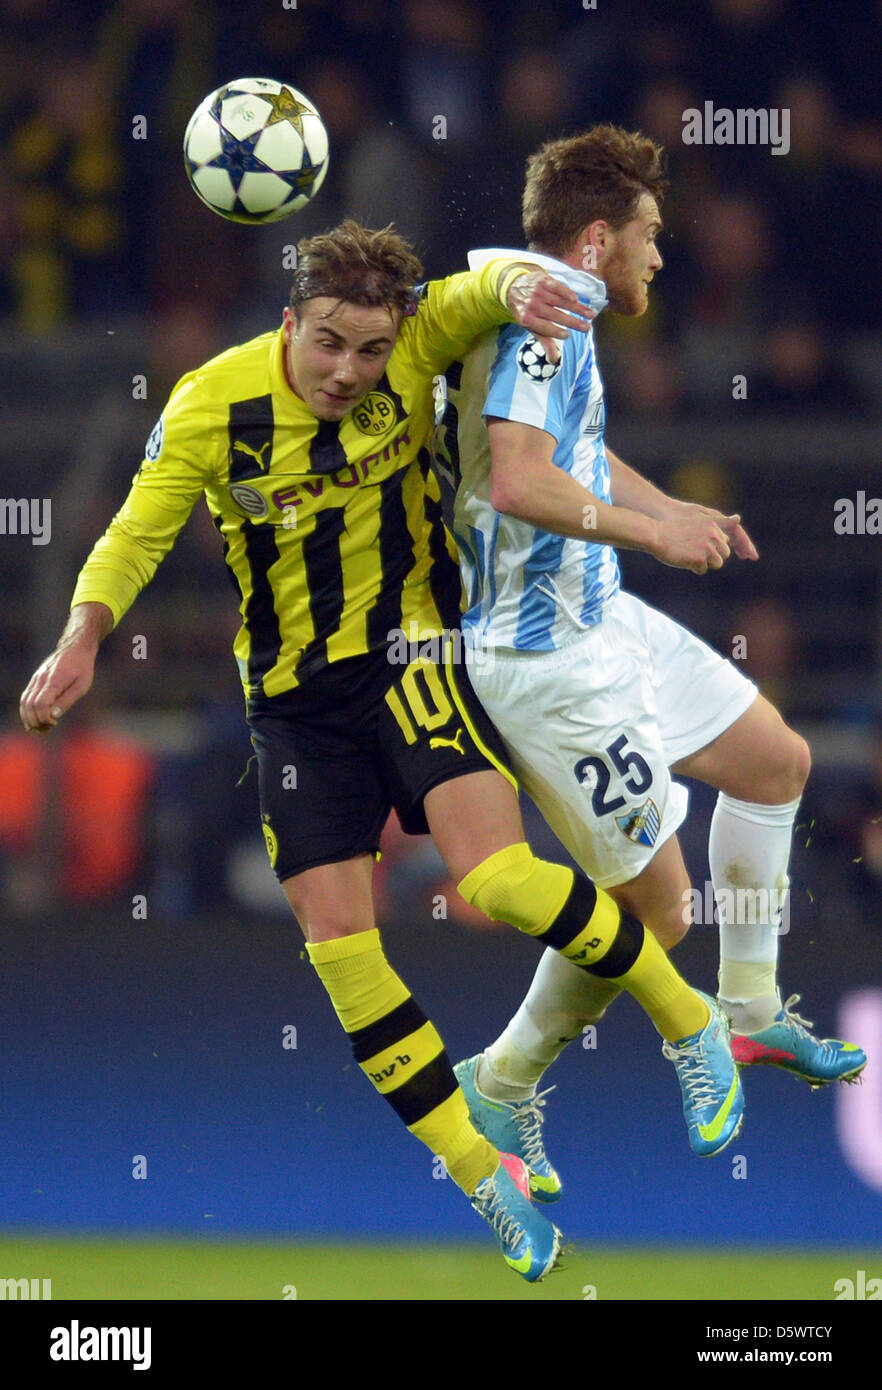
(292, 323)
(597, 234)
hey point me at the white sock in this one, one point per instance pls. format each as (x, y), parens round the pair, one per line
(749, 850)
(561, 1000)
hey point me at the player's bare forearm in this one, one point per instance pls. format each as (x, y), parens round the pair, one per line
(89, 624)
(527, 484)
(65, 675)
(630, 489)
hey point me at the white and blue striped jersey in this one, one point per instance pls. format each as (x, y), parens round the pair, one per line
(525, 588)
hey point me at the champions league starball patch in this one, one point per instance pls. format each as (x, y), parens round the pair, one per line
(153, 447)
(641, 826)
(533, 361)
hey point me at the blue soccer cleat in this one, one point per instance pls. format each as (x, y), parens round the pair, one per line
(713, 1101)
(529, 1243)
(513, 1127)
(789, 1043)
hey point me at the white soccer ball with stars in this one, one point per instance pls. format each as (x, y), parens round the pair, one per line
(256, 150)
(534, 361)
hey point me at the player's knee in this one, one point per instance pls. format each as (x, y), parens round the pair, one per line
(802, 761)
(324, 919)
(514, 886)
(785, 769)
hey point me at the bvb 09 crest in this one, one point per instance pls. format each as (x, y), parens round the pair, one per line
(375, 414)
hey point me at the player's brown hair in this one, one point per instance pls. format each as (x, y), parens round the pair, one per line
(356, 265)
(599, 175)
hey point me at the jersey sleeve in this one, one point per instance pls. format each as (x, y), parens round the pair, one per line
(455, 311)
(526, 387)
(177, 465)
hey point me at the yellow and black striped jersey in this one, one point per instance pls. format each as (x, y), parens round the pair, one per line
(332, 530)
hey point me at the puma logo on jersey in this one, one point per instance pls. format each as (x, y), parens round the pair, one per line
(256, 454)
(448, 742)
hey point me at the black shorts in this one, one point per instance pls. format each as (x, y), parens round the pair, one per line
(359, 738)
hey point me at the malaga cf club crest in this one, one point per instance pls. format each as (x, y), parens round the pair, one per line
(641, 826)
(534, 362)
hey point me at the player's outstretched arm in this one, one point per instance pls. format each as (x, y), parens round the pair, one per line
(630, 489)
(526, 483)
(66, 675)
(455, 311)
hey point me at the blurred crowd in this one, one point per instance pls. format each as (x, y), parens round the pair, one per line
(432, 106)
(770, 258)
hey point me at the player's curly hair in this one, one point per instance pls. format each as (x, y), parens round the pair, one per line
(573, 182)
(356, 265)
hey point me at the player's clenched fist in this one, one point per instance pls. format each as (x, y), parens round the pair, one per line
(67, 674)
(55, 685)
(694, 539)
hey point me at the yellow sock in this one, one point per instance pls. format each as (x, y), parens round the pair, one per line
(564, 910)
(400, 1051)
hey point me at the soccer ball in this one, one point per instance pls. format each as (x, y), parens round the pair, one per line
(534, 363)
(256, 150)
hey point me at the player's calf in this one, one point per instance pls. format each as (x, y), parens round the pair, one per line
(402, 1054)
(563, 909)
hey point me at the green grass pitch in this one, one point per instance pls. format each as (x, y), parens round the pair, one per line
(179, 1269)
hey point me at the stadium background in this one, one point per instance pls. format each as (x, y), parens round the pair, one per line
(151, 974)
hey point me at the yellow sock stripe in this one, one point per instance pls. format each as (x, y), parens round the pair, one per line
(476, 737)
(653, 975)
(372, 1003)
(513, 886)
(362, 985)
(395, 1065)
(448, 1132)
(675, 1008)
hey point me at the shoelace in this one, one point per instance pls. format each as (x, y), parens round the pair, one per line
(528, 1121)
(502, 1223)
(802, 1026)
(699, 1082)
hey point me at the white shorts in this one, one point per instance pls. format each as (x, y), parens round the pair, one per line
(594, 727)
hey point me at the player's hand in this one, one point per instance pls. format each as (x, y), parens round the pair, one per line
(548, 308)
(691, 540)
(57, 683)
(731, 527)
